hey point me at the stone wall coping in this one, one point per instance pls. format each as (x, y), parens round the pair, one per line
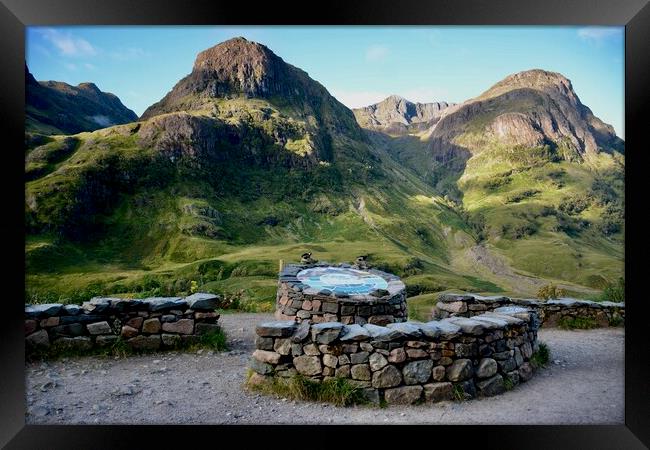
(445, 328)
(104, 305)
(561, 302)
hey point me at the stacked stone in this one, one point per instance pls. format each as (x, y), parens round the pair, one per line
(404, 362)
(297, 301)
(147, 324)
(550, 312)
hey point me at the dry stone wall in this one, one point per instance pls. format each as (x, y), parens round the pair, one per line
(408, 362)
(550, 312)
(147, 324)
(297, 301)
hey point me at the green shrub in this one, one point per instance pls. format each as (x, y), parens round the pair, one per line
(518, 196)
(616, 321)
(541, 357)
(575, 204)
(614, 292)
(577, 323)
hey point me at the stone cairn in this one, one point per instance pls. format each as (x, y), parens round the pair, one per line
(550, 312)
(405, 362)
(147, 324)
(297, 301)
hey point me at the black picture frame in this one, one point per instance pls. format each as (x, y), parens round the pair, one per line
(15, 15)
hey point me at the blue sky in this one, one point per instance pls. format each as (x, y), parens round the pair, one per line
(358, 65)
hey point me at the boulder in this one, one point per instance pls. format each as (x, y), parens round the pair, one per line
(387, 377)
(183, 326)
(79, 343)
(361, 372)
(151, 326)
(440, 328)
(359, 357)
(164, 303)
(266, 356)
(99, 328)
(38, 339)
(280, 328)
(203, 302)
(383, 334)
(406, 328)
(42, 311)
(403, 395)
(525, 372)
(436, 392)
(491, 386)
(324, 333)
(377, 361)
(128, 332)
(470, 326)
(452, 307)
(451, 298)
(354, 332)
(70, 330)
(417, 372)
(308, 365)
(142, 342)
(260, 367)
(171, 340)
(487, 367)
(460, 370)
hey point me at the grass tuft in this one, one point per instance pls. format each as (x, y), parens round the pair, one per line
(541, 357)
(459, 393)
(338, 391)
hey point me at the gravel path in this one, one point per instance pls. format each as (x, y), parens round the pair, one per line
(584, 385)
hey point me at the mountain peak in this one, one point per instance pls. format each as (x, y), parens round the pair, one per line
(233, 53)
(394, 98)
(552, 83)
(397, 115)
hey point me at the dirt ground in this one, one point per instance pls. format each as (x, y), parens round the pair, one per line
(584, 384)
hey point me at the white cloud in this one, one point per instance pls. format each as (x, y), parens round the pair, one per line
(70, 66)
(599, 34)
(357, 99)
(377, 53)
(67, 44)
(90, 66)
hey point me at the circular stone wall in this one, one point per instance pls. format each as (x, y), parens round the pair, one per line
(340, 293)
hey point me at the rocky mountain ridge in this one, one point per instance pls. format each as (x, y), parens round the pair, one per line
(397, 115)
(55, 107)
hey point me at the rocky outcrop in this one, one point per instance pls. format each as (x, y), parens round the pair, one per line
(54, 107)
(242, 68)
(530, 108)
(397, 115)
